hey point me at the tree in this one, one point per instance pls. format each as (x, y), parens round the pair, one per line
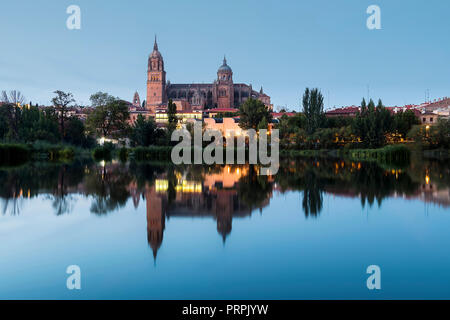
(263, 125)
(75, 132)
(172, 116)
(4, 123)
(109, 120)
(144, 132)
(372, 123)
(13, 97)
(47, 127)
(313, 109)
(101, 99)
(404, 121)
(62, 102)
(11, 115)
(437, 135)
(252, 112)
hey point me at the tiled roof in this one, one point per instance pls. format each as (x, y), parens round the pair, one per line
(280, 114)
(221, 110)
(344, 110)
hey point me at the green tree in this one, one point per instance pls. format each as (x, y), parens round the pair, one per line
(12, 116)
(101, 99)
(47, 127)
(435, 136)
(144, 132)
(404, 121)
(28, 124)
(62, 103)
(76, 132)
(109, 118)
(372, 124)
(4, 126)
(172, 116)
(263, 125)
(252, 112)
(313, 109)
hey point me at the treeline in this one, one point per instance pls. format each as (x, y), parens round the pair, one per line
(108, 119)
(29, 124)
(372, 127)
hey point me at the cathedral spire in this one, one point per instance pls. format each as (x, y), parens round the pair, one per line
(155, 46)
(224, 60)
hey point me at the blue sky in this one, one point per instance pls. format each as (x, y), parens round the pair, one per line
(283, 46)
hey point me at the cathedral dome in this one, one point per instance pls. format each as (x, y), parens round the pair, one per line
(224, 67)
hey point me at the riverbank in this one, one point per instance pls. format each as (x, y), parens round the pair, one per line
(14, 154)
(391, 152)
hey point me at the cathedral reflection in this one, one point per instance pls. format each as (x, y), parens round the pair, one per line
(215, 196)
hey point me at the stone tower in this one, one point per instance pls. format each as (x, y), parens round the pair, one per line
(225, 92)
(136, 100)
(156, 80)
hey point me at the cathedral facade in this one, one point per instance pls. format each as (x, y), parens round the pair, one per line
(222, 93)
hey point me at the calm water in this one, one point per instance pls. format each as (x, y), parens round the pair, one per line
(146, 231)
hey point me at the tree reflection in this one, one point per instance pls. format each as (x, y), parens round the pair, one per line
(111, 185)
(254, 189)
(108, 185)
(312, 195)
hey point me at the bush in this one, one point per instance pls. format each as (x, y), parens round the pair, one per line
(392, 154)
(66, 153)
(14, 154)
(152, 153)
(54, 152)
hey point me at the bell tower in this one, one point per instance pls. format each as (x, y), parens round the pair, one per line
(225, 92)
(156, 80)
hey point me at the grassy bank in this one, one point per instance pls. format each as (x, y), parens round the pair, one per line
(394, 154)
(15, 154)
(152, 153)
(387, 154)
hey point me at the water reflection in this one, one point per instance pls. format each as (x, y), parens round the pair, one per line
(219, 192)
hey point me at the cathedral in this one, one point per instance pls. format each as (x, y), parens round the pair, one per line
(195, 97)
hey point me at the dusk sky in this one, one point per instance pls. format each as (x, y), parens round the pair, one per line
(283, 46)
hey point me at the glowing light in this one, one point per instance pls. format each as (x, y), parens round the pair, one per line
(427, 179)
(161, 185)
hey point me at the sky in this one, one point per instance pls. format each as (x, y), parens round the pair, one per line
(283, 46)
